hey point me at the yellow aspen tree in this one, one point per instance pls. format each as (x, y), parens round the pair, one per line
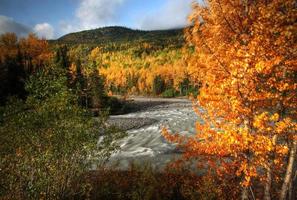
(245, 54)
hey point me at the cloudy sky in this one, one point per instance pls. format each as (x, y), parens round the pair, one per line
(54, 18)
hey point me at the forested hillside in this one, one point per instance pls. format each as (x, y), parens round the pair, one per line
(119, 35)
(132, 61)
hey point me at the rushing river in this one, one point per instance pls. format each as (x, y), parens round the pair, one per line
(146, 143)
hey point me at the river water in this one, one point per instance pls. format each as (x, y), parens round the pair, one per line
(146, 144)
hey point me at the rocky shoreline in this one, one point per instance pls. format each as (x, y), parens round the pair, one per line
(126, 124)
(138, 104)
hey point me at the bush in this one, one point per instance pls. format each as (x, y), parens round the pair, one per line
(143, 182)
(49, 141)
(169, 93)
(184, 87)
(194, 91)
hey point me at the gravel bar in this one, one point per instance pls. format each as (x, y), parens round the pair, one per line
(130, 123)
(137, 104)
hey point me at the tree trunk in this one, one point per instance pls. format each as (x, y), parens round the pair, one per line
(290, 192)
(294, 193)
(267, 189)
(293, 185)
(244, 194)
(289, 172)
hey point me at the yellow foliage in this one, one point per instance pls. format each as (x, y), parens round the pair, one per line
(246, 67)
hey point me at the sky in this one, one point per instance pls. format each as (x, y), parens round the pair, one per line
(53, 18)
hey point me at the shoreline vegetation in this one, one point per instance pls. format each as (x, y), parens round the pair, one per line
(143, 182)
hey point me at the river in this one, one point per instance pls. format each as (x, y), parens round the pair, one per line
(146, 144)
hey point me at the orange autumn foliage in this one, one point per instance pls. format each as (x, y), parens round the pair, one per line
(36, 51)
(8, 46)
(245, 55)
(33, 51)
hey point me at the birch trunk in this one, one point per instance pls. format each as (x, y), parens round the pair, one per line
(244, 194)
(292, 193)
(289, 172)
(267, 190)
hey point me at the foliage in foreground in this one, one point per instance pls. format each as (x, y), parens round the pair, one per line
(143, 182)
(245, 52)
(49, 141)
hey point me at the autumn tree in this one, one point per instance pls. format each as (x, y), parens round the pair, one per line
(245, 52)
(35, 51)
(126, 73)
(19, 58)
(8, 46)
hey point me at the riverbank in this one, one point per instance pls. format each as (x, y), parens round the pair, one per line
(141, 104)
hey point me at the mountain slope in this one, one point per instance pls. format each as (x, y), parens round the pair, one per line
(117, 34)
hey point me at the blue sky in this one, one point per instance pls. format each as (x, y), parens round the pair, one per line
(54, 18)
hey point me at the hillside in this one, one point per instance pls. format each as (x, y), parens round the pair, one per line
(120, 35)
(131, 61)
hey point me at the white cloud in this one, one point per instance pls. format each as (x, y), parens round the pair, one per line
(95, 13)
(44, 30)
(92, 14)
(66, 27)
(9, 25)
(173, 14)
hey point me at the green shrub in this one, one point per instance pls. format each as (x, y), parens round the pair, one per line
(184, 87)
(49, 141)
(193, 91)
(169, 93)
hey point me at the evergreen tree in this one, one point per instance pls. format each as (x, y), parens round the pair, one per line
(96, 90)
(62, 57)
(158, 85)
(13, 78)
